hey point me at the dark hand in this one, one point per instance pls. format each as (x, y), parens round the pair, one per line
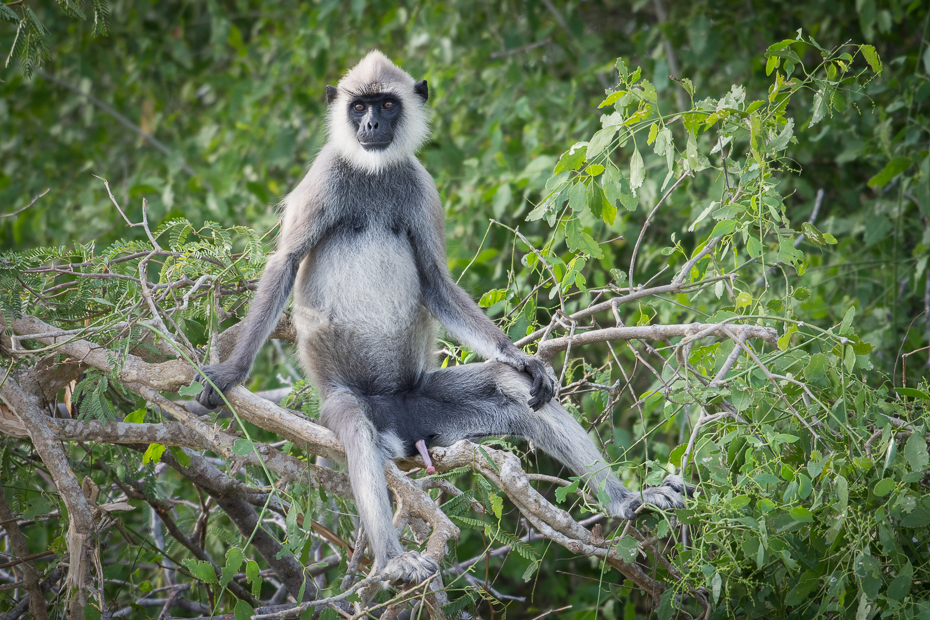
(225, 377)
(543, 386)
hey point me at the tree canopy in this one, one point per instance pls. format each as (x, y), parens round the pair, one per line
(712, 219)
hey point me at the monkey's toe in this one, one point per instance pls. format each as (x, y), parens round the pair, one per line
(669, 496)
(209, 398)
(677, 484)
(626, 508)
(664, 497)
(410, 567)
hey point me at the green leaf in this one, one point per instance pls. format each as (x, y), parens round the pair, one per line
(492, 297)
(807, 583)
(771, 65)
(153, 453)
(193, 389)
(785, 338)
(846, 325)
(892, 169)
(912, 393)
(577, 197)
(883, 487)
(608, 211)
(820, 108)
(136, 417)
(919, 517)
(781, 45)
(653, 133)
(7, 14)
(738, 502)
(781, 142)
(600, 141)
(580, 241)
(664, 145)
(871, 57)
(201, 570)
(233, 562)
(497, 504)
(572, 158)
(801, 514)
(627, 548)
(253, 576)
(915, 451)
(900, 586)
(637, 170)
(723, 227)
(595, 200)
(243, 611)
(562, 492)
(182, 457)
(849, 359)
(243, 447)
(611, 98)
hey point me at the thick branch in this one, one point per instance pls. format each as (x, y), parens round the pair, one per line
(549, 348)
(81, 519)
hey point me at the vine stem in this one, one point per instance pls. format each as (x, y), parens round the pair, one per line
(642, 232)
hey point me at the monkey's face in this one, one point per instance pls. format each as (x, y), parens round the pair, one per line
(376, 116)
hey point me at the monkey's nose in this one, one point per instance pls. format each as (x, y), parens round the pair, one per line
(372, 125)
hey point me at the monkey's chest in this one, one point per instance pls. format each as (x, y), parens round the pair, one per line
(363, 277)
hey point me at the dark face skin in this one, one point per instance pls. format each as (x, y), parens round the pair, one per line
(376, 116)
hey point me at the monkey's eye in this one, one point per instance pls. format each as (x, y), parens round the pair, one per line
(388, 105)
(360, 107)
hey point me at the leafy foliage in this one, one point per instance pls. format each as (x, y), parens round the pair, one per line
(796, 174)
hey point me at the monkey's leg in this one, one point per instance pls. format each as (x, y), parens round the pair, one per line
(493, 400)
(344, 415)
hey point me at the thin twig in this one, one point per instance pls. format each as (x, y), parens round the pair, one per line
(18, 211)
(645, 227)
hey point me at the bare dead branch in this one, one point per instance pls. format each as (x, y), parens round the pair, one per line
(548, 348)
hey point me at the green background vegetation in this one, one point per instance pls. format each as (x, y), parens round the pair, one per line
(791, 521)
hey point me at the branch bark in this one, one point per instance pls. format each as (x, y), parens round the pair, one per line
(80, 537)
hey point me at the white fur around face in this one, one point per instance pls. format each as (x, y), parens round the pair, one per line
(377, 74)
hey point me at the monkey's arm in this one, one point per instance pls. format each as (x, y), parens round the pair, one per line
(301, 228)
(459, 313)
(273, 290)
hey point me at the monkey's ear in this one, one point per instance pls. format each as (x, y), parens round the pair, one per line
(331, 93)
(422, 89)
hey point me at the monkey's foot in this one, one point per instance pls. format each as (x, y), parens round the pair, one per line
(410, 567)
(668, 496)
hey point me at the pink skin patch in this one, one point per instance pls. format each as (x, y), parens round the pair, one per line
(421, 448)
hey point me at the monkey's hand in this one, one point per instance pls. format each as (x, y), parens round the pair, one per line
(224, 377)
(409, 567)
(543, 386)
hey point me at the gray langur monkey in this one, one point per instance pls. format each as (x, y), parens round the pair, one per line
(363, 247)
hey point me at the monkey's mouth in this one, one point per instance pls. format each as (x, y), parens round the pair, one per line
(372, 145)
